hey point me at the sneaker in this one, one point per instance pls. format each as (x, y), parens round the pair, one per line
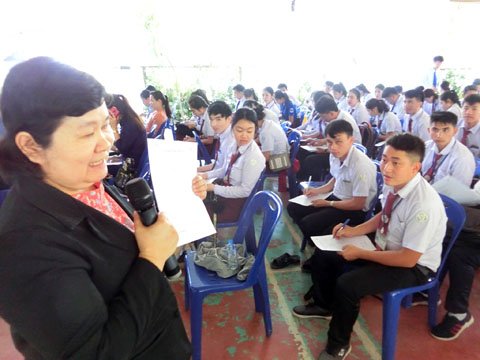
(342, 353)
(311, 311)
(421, 298)
(450, 327)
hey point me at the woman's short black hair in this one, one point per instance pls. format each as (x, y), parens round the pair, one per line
(340, 88)
(37, 95)
(245, 113)
(257, 107)
(269, 89)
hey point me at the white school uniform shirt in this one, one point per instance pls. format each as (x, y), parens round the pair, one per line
(399, 107)
(270, 115)
(240, 103)
(342, 103)
(473, 138)
(273, 106)
(343, 115)
(420, 124)
(418, 221)
(312, 125)
(355, 177)
(428, 79)
(273, 138)
(227, 146)
(367, 97)
(203, 125)
(359, 113)
(245, 172)
(429, 108)
(389, 122)
(457, 161)
(455, 109)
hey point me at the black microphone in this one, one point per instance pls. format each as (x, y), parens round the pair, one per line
(141, 198)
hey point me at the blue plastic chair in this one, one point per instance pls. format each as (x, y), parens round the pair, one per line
(151, 134)
(361, 148)
(376, 199)
(294, 141)
(200, 282)
(393, 299)
(204, 155)
(286, 126)
(168, 124)
(477, 169)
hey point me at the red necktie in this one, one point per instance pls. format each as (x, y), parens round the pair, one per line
(386, 214)
(217, 147)
(229, 170)
(429, 174)
(320, 134)
(464, 137)
(410, 125)
(351, 111)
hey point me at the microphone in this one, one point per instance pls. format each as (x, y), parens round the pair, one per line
(141, 198)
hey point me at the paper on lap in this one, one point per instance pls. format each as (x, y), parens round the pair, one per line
(314, 148)
(173, 165)
(329, 243)
(307, 201)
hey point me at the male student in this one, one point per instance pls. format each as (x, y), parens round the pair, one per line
(220, 118)
(353, 184)
(469, 129)
(432, 78)
(445, 155)
(416, 120)
(409, 235)
(396, 101)
(238, 94)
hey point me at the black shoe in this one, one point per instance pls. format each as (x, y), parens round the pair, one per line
(341, 353)
(450, 328)
(311, 311)
(307, 266)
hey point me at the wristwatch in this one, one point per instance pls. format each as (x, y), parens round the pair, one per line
(331, 203)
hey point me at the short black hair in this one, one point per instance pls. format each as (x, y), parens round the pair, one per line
(197, 102)
(414, 94)
(429, 93)
(282, 85)
(411, 144)
(326, 104)
(245, 113)
(476, 82)
(338, 127)
(317, 95)
(445, 85)
(279, 94)
(450, 95)
(329, 83)
(219, 108)
(250, 92)
(145, 94)
(438, 58)
(420, 88)
(472, 99)
(444, 117)
(363, 88)
(151, 88)
(239, 87)
(257, 107)
(356, 92)
(399, 88)
(389, 91)
(380, 86)
(469, 88)
(340, 88)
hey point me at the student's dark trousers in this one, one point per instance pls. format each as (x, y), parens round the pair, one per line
(340, 291)
(314, 164)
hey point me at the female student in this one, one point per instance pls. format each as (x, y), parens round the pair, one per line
(450, 102)
(365, 94)
(269, 100)
(379, 91)
(387, 122)
(249, 94)
(356, 108)
(242, 171)
(340, 95)
(287, 107)
(200, 124)
(161, 112)
(430, 105)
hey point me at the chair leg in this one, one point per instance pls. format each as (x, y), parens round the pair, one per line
(196, 325)
(391, 312)
(432, 305)
(267, 318)
(258, 297)
(407, 301)
(304, 244)
(187, 290)
(292, 183)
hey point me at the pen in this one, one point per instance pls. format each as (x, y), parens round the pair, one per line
(344, 224)
(309, 181)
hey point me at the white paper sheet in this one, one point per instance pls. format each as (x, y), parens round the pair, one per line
(307, 201)
(173, 165)
(381, 143)
(457, 190)
(314, 148)
(329, 243)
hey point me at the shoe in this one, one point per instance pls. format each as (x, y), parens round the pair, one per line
(421, 298)
(285, 260)
(307, 266)
(311, 311)
(450, 327)
(174, 275)
(341, 353)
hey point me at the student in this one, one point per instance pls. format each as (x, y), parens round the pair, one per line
(476, 82)
(269, 101)
(365, 94)
(238, 94)
(340, 95)
(416, 120)
(410, 231)
(328, 87)
(387, 122)
(469, 90)
(353, 184)
(220, 116)
(432, 78)
(241, 171)
(249, 94)
(379, 91)
(444, 86)
(469, 129)
(287, 107)
(399, 89)
(445, 155)
(449, 101)
(431, 104)
(145, 97)
(161, 112)
(395, 100)
(199, 106)
(356, 108)
(283, 87)
(311, 128)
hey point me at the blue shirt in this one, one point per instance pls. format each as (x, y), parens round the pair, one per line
(288, 109)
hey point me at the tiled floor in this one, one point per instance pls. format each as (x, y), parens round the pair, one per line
(232, 329)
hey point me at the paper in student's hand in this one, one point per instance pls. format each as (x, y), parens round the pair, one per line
(458, 191)
(307, 201)
(329, 243)
(311, 148)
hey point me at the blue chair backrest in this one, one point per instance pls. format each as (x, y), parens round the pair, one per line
(375, 200)
(286, 126)
(203, 150)
(361, 148)
(151, 134)
(477, 169)
(294, 141)
(168, 124)
(272, 208)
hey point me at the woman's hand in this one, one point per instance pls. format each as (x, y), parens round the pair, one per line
(156, 242)
(210, 187)
(199, 187)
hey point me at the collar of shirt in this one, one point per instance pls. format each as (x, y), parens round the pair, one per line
(446, 150)
(340, 100)
(242, 149)
(346, 162)
(417, 115)
(222, 136)
(407, 189)
(473, 130)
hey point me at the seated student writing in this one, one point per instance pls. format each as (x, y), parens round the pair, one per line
(220, 115)
(445, 155)
(356, 108)
(199, 106)
(469, 129)
(409, 236)
(396, 101)
(311, 129)
(416, 119)
(450, 102)
(387, 122)
(287, 108)
(353, 184)
(242, 171)
(340, 95)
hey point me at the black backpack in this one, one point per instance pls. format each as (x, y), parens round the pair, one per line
(369, 136)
